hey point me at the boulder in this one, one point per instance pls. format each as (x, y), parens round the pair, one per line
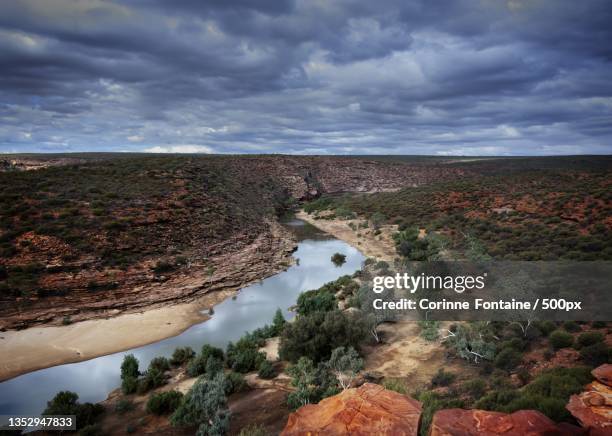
(593, 407)
(367, 410)
(460, 422)
(603, 373)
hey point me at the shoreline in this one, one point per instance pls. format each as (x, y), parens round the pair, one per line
(41, 347)
(380, 246)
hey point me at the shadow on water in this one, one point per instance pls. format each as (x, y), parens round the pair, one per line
(253, 307)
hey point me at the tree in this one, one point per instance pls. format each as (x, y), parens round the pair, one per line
(303, 375)
(66, 403)
(278, 322)
(163, 403)
(345, 364)
(129, 366)
(317, 334)
(315, 301)
(151, 379)
(472, 341)
(266, 370)
(160, 363)
(129, 374)
(561, 339)
(338, 259)
(204, 405)
(374, 317)
(409, 245)
(244, 355)
(181, 355)
(313, 383)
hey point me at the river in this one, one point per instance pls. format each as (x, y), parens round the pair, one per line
(253, 307)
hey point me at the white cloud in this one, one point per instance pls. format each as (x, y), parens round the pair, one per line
(181, 148)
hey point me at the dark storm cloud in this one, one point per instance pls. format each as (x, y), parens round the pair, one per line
(304, 76)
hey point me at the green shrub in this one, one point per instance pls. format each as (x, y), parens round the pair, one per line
(159, 363)
(548, 393)
(129, 385)
(517, 344)
(433, 402)
(234, 382)
(197, 366)
(396, 385)
(278, 322)
(430, 330)
(163, 266)
(571, 326)
(507, 359)
(209, 361)
(599, 324)
(315, 301)
(561, 339)
(266, 370)
(151, 379)
(124, 405)
(317, 334)
(312, 383)
(554, 408)
(129, 366)
(475, 388)
(66, 403)
(442, 378)
(163, 403)
(181, 355)
(205, 406)
(596, 354)
(590, 338)
(244, 355)
(210, 351)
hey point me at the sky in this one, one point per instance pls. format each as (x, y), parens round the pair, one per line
(462, 77)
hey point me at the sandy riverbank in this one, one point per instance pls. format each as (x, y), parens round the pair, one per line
(41, 347)
(380, 246)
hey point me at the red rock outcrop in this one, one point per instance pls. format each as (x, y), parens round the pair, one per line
(367, 410)
(460, 422)
(593, 407)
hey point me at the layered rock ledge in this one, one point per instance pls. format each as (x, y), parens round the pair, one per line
(460, 422)
(593, 407)
(367, 410)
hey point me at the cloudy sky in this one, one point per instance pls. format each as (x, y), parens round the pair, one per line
(465, 77)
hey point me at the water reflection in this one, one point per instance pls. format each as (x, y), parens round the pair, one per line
(253, 307)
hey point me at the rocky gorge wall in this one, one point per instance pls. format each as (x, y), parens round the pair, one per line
(226, 245)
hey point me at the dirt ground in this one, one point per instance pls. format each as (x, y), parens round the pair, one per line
(404, 354)
(379, 246)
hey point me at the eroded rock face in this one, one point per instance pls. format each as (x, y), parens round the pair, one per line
(460, 422)
(367, 410)
(593, 407)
